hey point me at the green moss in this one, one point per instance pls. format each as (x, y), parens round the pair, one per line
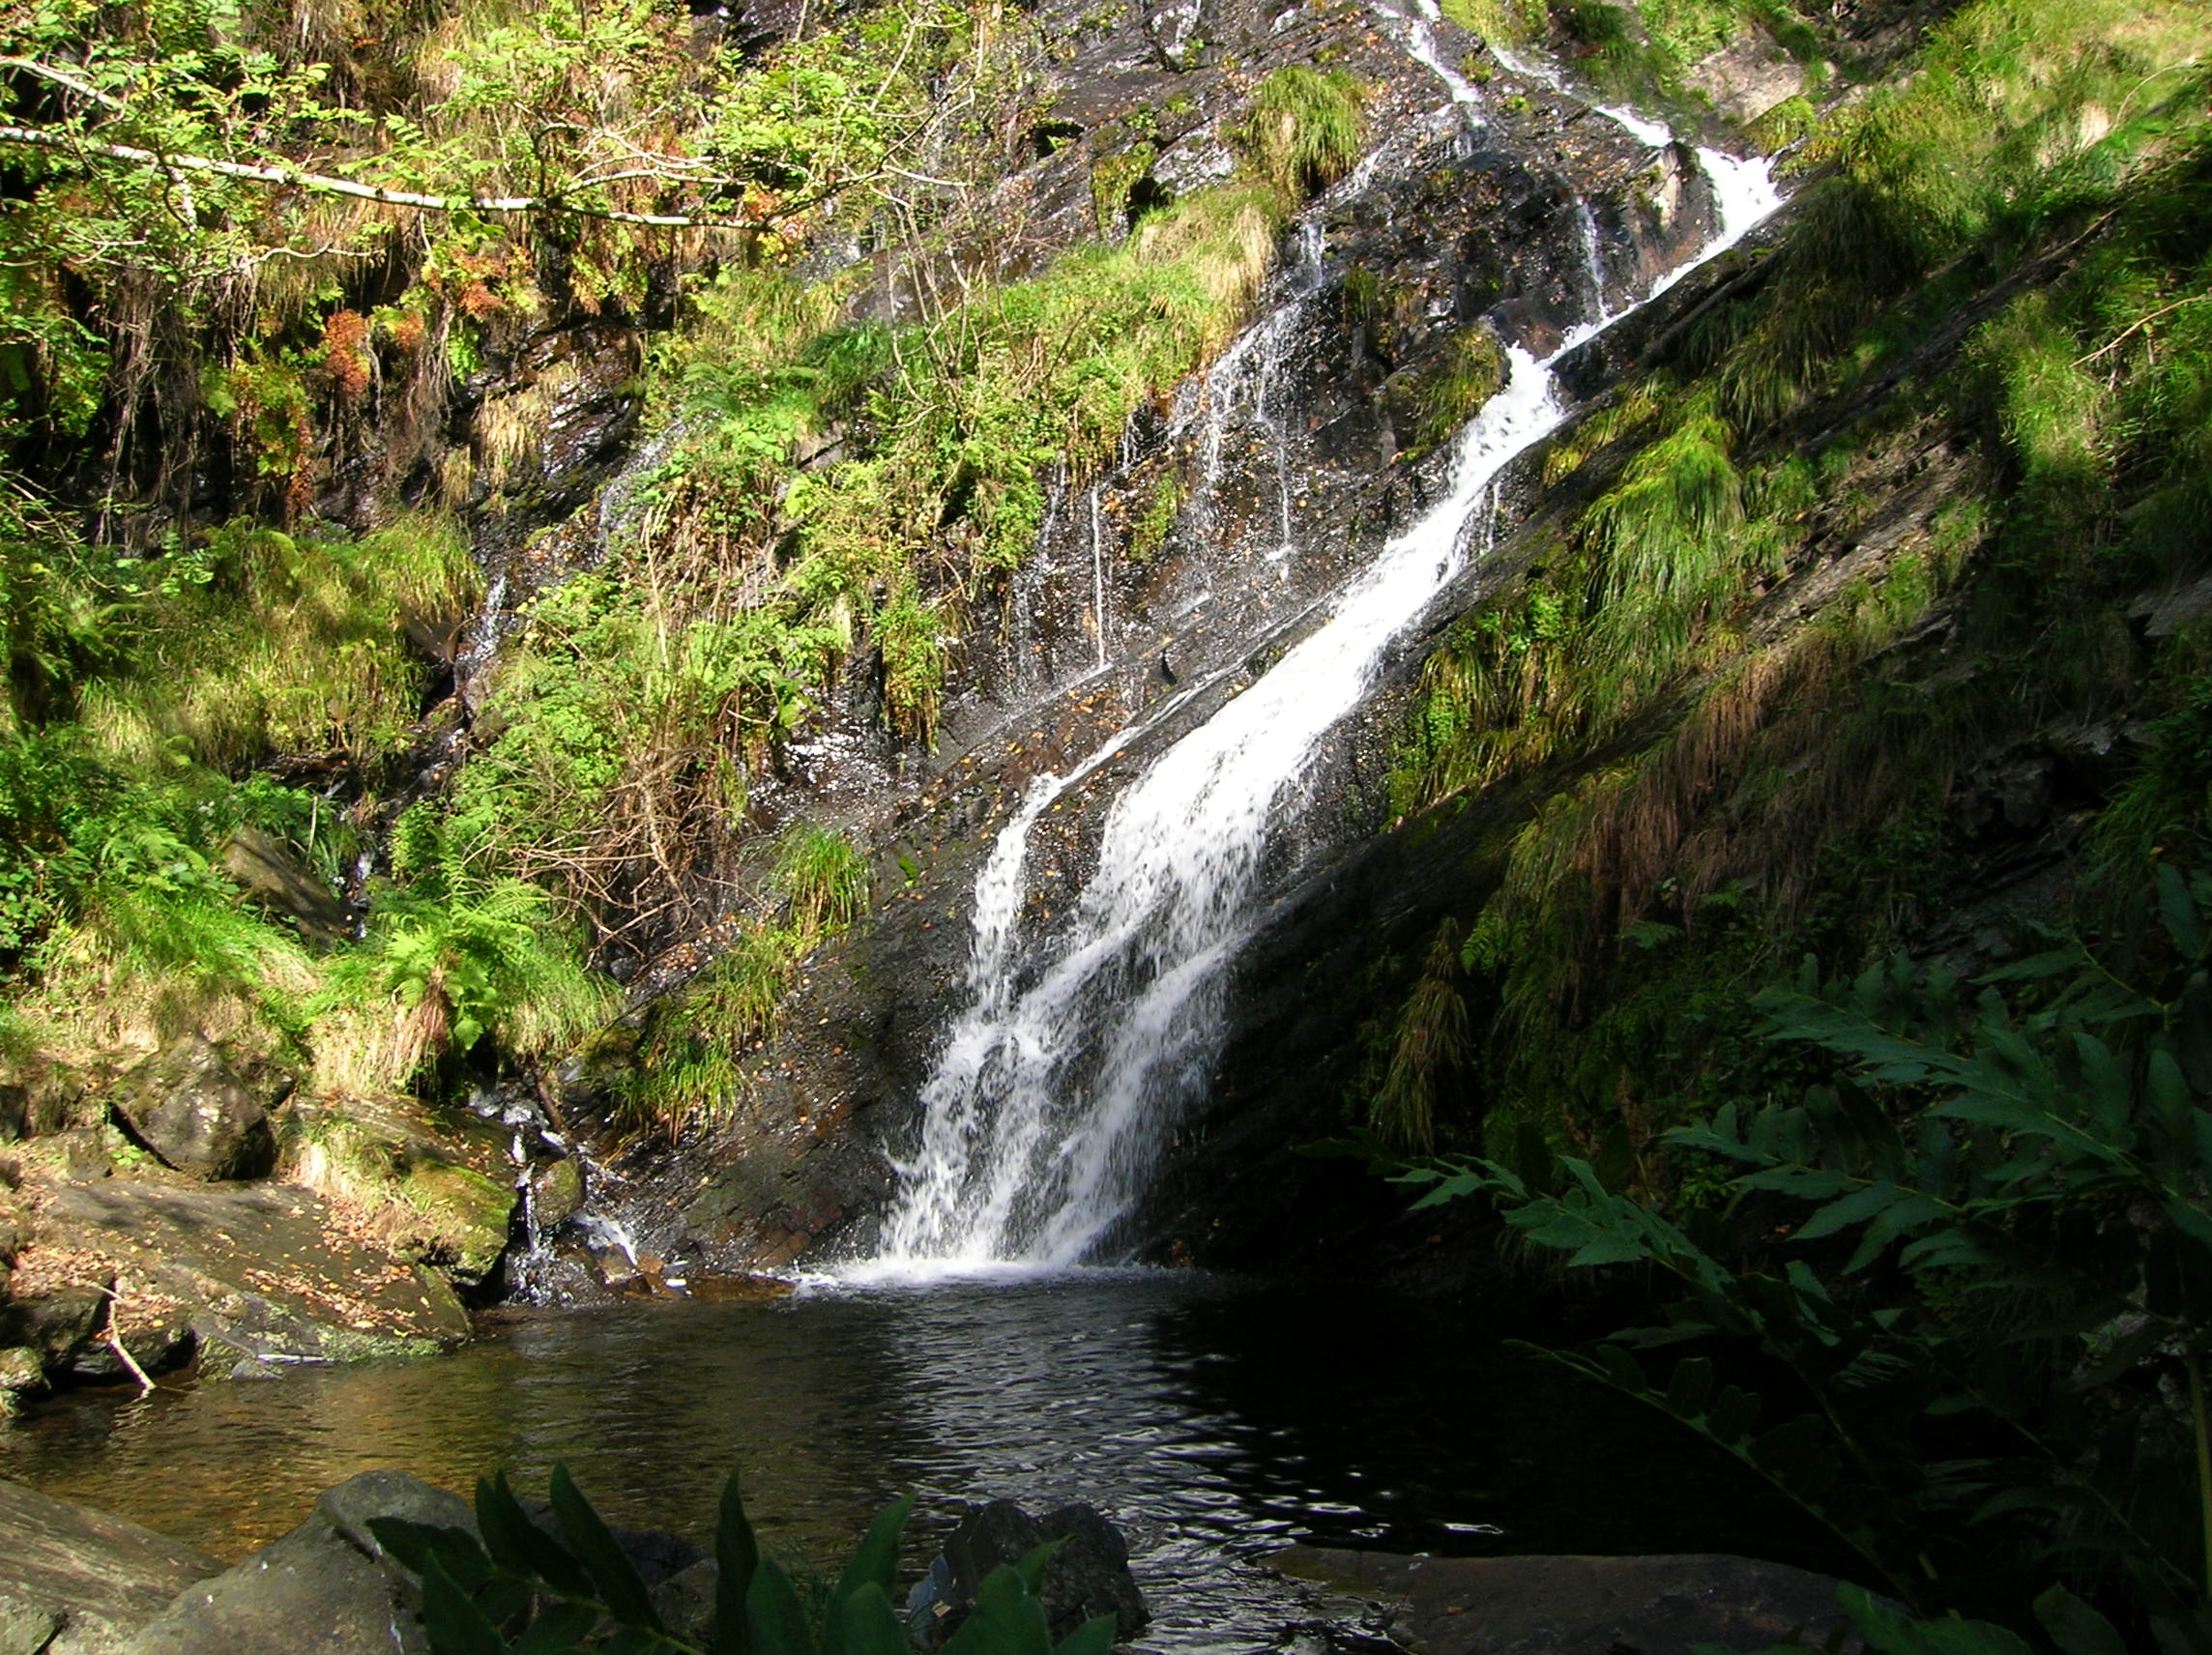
(1162, 506)
(1473, 372)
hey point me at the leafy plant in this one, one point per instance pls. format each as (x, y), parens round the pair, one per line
(515, 1588)
(2005, 1231)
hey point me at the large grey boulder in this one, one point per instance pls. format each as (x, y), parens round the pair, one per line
(1569, 1605)
(325, 1588)
(190, 1109)
(79, 1581)
(261, 1272)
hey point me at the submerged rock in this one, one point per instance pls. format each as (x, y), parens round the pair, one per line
(325, 1588)
(79, 1581)
(1565, 1605)
(190, 1109)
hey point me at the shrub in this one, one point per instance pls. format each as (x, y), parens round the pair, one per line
(520, 1588)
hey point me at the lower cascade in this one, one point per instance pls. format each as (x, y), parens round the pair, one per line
(1058, 1085)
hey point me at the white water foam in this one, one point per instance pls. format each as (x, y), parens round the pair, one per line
(1060, 1084)
(1035, 1121)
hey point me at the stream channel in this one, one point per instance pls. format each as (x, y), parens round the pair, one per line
(1212, 1420)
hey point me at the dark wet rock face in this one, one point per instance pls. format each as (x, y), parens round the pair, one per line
(1087, 1576)
(79, 1581)
(1166, 586)
(190, 1109)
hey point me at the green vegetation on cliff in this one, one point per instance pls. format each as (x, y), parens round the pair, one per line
(1880, 517)
(1871, 646)
(301, 312)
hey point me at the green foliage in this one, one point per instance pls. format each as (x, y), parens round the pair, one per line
(2002, 1238)
(1431, 1037)
(513, 1586)
(1675, 741)
(1471, 373)
(254, 641)
(445, 966)
(2072, 1627)
(823, 875)
(1306, 128)
(1162, 506)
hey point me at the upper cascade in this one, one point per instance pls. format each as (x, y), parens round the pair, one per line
(1058, 1085)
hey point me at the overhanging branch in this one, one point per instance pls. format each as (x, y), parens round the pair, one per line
(77, 145)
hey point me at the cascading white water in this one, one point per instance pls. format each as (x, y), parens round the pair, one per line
(1033, 1140)
(1057, 1087)
(1417, 35)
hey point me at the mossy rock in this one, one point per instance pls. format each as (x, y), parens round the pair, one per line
(464, 1215)
(557, 1194)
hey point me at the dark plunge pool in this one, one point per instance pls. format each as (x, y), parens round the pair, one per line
(1213, 1422)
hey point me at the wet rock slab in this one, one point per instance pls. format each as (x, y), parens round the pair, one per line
(1569, 1605)
(264, 1272)
(325, 1588)
(76, 1582)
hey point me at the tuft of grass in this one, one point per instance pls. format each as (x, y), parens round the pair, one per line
(688, 1065)
(439, 973)
(1305, 128)
(824, 877)
(1434, 1038)
(1471, 373)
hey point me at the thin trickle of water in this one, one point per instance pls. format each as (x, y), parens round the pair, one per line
(1239, 385)
(1593, 260)
(1416, 37)
(1098, 575)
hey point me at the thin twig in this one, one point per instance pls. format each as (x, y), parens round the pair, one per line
(114, 1341)
(2139, 325)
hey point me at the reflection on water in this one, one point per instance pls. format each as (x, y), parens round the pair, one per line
(1211, 1422)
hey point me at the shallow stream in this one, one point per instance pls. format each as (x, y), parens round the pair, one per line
(1214, 1422)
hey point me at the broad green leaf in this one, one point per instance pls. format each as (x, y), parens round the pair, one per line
(452, 1618)
(775, 1614)
(1856, 1207)
(520, 1546)
(1691, 1387)
(416, 1545)
(1030, 1571)
(558, 1628)
(736, 1555)
(867, 1625)
(1094, 1637)
(2075, 1627)
(876, 1560)
(2178, 911)
(594, 1546)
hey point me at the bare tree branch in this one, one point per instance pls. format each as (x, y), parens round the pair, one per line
(82, 147)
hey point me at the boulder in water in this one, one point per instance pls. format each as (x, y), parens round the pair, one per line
(1088, 1577)
(263, 1271)
(1564, 1605)
(325, 1588)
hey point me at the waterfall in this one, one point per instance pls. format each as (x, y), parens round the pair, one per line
(1060, 1084)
